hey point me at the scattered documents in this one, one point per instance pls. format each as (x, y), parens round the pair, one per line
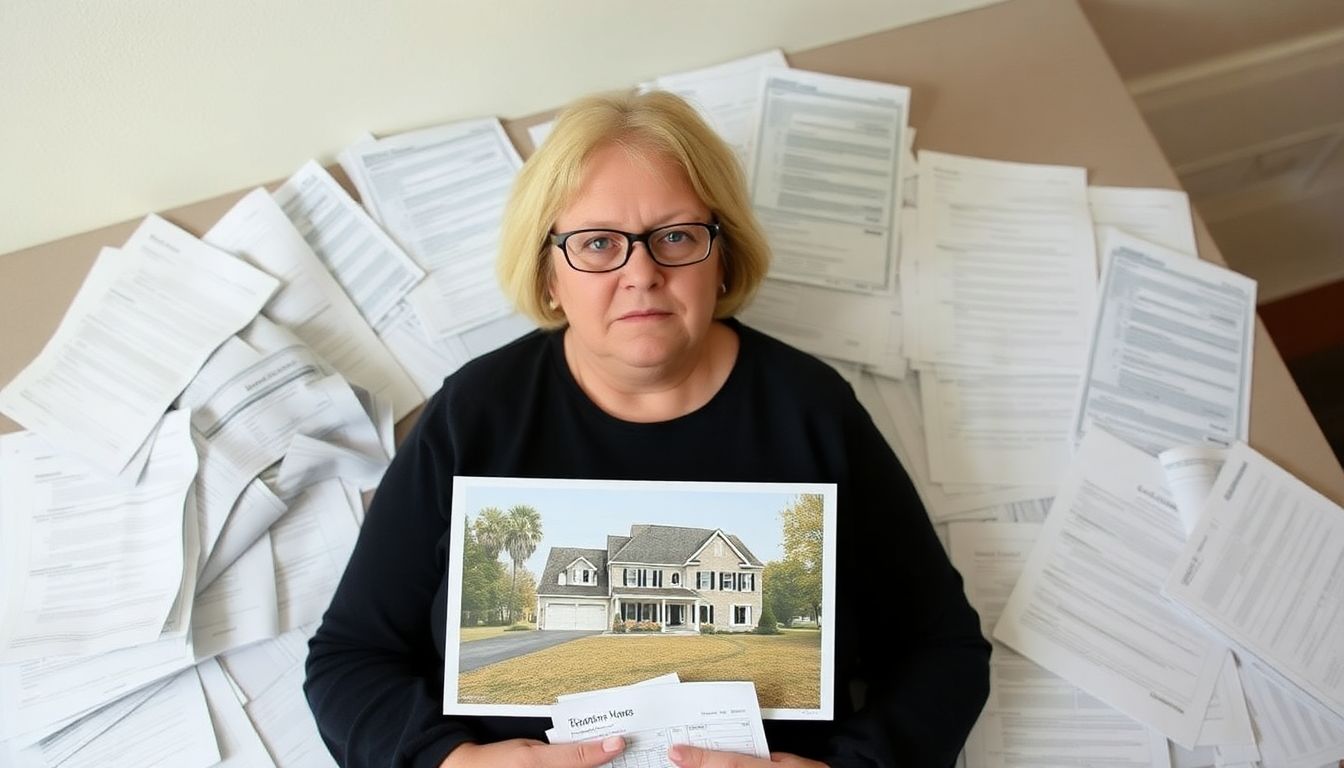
(1264, 568)
(1170, 362)
(89, 567)
(1089, 607)
(144, 321)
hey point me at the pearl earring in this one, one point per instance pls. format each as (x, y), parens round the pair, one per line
(552, 303)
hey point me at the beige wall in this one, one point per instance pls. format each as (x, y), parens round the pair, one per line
(113, 109)
(1246, 98)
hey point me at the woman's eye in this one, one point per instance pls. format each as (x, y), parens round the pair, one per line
(597, 244)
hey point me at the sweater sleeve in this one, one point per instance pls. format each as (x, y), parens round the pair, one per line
(374, 678)
(924, 663)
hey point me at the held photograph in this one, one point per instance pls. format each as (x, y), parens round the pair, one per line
(566, 586)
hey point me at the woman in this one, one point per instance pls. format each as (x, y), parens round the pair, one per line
(629, 238)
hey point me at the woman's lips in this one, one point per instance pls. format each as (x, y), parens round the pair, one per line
(644, 314)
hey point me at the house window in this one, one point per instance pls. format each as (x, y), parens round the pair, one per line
(586, 573)
(718, 547)
(751, 582)
(725, 580)
(657, 578)
(741, 614)
(561, 578)
(704, 580)
(706, 614)
(676, 578)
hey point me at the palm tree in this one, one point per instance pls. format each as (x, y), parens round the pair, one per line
(522, 534)
(489, 528)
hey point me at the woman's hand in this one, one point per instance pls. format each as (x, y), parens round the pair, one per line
(685, 756)
(530, 753)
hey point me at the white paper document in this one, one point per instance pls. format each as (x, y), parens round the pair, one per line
(1294, 730)
(1159, 216)
(999, 428)
(1034, 717)
(170, 729)
(310, 302)
(726, 95)
(828, 322)
(311, 544)
(89, 567)
(239, 607)
(1170, 358)
(285, 724)
(441, 193)
(1191, 471)
(1089, 607)
(252, 515)
(1265, 568)
(825, 178)
(372, 270)
(309, 461)
(37, 697)
(239, 744)
(143, 322)
(255, 668)
(1006, 264)
(718, 716)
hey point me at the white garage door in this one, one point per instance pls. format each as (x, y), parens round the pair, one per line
(572, 616)
(591, 617)
(560, 616)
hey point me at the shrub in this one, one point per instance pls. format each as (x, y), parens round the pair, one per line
(618, 626)
(520, 626)
(643, 626)
(767, 625)
(707, 629)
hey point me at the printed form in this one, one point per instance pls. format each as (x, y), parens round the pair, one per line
(310, 302)
(718, 716)
(145, 319)
(825, 178)
(1265, 568)
(1089, 606)
(727, 96)
(1033, 717)
(1170, 358)
(440, 192)
(1006, 264)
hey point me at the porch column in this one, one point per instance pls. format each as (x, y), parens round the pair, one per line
(662, 611)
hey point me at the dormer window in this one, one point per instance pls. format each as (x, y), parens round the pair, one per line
(587, 574)
(676, 579)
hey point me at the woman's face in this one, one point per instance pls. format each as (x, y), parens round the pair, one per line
(643, 315)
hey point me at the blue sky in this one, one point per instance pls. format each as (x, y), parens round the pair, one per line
(582, 517)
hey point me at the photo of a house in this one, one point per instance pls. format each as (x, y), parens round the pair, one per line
(678, 577)
(564, 586)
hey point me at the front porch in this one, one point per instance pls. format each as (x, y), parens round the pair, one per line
(672, 614)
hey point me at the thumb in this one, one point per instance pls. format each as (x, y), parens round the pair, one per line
(686, 756)
(582, 754)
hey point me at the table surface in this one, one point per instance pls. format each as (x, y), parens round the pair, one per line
(1025, 80)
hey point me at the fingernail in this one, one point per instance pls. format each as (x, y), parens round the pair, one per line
(612, 744)
(676, 754)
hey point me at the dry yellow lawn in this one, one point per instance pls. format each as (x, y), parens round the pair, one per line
(480, 633)
(786, 668)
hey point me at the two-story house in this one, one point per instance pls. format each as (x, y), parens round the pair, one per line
(679, 577)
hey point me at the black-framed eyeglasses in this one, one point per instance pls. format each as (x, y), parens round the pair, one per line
(605, 250)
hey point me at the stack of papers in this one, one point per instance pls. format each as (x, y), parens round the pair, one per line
(655, 715)
(1065, 382)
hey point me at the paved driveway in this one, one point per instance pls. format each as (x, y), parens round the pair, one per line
(479, 653)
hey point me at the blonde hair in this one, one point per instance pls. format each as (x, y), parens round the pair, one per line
(655, 123)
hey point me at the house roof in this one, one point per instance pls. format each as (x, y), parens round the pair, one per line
(559, 558)
(669, 544)
(614, 544)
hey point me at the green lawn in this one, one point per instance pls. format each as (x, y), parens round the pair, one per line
(786, 668)
(480, 633)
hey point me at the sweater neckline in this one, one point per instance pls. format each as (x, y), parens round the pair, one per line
(556, 347)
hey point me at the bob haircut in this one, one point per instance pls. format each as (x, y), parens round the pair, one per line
(655, 124)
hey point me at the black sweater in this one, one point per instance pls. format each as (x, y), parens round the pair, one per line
(906, 639)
